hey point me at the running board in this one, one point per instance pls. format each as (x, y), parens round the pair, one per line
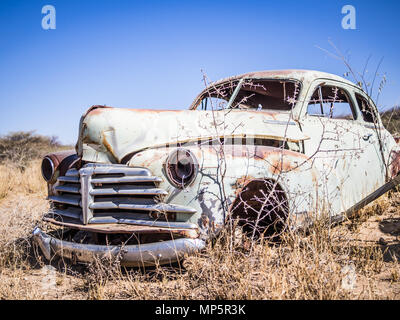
(373, 196)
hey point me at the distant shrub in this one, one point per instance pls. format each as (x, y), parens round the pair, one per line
(391, 120)
(19, 148)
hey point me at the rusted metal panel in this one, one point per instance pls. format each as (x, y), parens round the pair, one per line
(63, 160)
(110, 228)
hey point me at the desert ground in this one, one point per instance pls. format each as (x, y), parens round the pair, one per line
(357, 259)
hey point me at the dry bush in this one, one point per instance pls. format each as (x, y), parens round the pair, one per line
(391, 120)
(19, 148)
(20, 157)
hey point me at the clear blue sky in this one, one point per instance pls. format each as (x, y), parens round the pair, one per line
(149, 54)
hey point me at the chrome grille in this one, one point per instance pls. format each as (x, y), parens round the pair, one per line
(104, 193)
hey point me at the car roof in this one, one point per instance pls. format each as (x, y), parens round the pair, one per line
(297, 74)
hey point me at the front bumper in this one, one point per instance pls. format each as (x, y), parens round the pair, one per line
(149, 254)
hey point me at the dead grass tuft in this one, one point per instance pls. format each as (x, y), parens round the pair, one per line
(14, 180)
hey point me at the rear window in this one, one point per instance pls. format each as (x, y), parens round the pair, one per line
(367, 111)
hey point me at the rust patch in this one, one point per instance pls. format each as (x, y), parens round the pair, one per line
(122, 228)
(154, 110)
(63, 161)
(279, 165)
(265, 152)
(95, 110)
(109, 147)
(273, 74)
(259, 152)
(395, 163)
(152, 160)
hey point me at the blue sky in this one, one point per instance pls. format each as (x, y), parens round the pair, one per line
(150, 54)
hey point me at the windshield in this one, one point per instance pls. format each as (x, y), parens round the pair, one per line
(253, 94)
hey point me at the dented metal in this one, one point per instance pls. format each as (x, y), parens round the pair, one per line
(130, 255)
(314, 163)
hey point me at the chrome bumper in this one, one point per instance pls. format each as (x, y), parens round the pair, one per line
(149, 254)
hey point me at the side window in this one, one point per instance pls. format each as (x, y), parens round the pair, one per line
(331, 102)
(367, 111)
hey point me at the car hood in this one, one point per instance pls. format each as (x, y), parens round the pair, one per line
(111, 134)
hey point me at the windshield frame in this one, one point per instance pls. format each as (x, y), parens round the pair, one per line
(196, 103)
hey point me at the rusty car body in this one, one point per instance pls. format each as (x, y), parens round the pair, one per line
(153, 185)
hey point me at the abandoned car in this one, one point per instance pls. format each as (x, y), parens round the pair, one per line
(267, 150)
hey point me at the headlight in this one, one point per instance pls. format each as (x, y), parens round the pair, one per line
(181, 167)
(47, 169)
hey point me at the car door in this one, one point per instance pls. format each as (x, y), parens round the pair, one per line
(332, 122)
(373, 142)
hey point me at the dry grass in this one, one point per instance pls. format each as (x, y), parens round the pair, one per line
(343, 262)
(14, 180)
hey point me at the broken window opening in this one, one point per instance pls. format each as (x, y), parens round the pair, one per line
(277, 95)
(367, 111)
(331, 102)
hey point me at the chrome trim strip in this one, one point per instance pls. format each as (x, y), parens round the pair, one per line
(74, 201)
(128, 191)
(68, 179)
(162, 207)
(66, 188)
(155, 223)
(289, 123)
(127, 179)
(72, 173)
(74, 213)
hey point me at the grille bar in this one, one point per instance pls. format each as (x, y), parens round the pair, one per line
(72, 173)
(97, 193)
(126, 179)
(73, 201)
(68, 188)
(128, 171)
(160, 207)
(127, 191)
(68, 179)
(74, 213)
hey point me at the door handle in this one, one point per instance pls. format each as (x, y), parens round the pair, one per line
(367, 136)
